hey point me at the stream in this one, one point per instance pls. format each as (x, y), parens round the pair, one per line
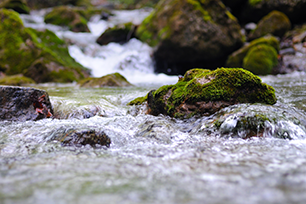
(152, 159)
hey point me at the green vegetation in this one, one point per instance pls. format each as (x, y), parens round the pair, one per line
(35, 54)
(67, 16)
(236, 58)
(261, 59)
(116, 80)
(16, 80)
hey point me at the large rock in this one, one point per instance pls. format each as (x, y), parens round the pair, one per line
(190, 33)
(275, 23)
(24, 103)
(203, 92)
(40, 55)
(67, 16)
(120, 33)
(19, 6)
(258, 56)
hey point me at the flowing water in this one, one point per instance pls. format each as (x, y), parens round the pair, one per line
(153, 159)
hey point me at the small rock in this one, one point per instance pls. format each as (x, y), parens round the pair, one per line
(77, 137)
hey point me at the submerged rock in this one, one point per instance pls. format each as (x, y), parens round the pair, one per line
(190, 33)
(67, 16)
(120, 33)
(24, 103)
(259, 56)
(115, 79)
(275, 23)
(19, 6)
(81, 137)
(39, 55)
(204, 92)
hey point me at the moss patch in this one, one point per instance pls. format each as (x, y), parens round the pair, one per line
(138, 101)
(236, 58)
(115, 80)
(67, 16)
(34, 53)
(275, 23)
(16, 80)
(261, 59)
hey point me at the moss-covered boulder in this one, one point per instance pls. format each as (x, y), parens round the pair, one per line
(254, 10)
(19, 6)
(40, 55)
(236, 59)
(261, 59)
(275, 23)
(67, 16)
(16, 80)
(120, 33)
(203, 92)
(190, 33)
(113, 80)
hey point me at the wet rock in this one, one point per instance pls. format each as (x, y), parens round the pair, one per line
(67, 16)
(115, 80)
(258, 120)
(120, 33)
(24, 103)
(204, 92)
(275, 23)
(16, 80)
(253, 11)
(258, 56)
(39, 55)
(190, 34)
(19, 6)
(80, 137)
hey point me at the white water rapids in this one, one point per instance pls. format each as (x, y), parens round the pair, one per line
(152, 159)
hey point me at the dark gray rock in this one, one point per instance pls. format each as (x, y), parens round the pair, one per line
(24, 103)
(80, 137)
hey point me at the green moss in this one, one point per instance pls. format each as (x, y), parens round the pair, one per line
(223, 84)
(21, 47)
(115, 80)
(261, 59)
(138, 101)
(16, 80)
(236, 58)
(254, 2)
(67, 16)
(275, 23)
(198, 5)
(145, 31)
